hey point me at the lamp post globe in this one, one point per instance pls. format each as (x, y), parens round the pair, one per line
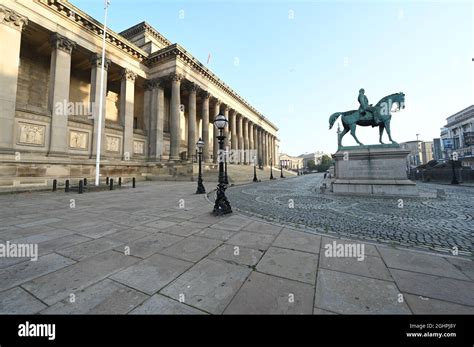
(222, 205)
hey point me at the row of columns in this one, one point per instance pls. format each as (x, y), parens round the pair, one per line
(244, 135)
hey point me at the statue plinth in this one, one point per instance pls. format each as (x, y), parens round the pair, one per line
(372, 170)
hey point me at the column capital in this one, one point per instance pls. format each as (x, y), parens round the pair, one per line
(12, 18)
(154, 83)
(61, 42)
(175, 77)
(96, 61)
(192, 87)
(128, 75)
(226, 108)
(216, 101)
(204, 94)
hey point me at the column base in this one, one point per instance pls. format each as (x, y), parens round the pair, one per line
(58, 154)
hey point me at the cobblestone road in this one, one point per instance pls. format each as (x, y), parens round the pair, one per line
(427, 222)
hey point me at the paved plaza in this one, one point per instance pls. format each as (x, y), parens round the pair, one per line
(157, 249)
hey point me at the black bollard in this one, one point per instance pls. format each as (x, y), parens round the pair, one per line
(66, 188)
(55, 185)
(111, 184)
(133, 182)
(81, 187)
(85, 182)
(120, 181)
(107, 181)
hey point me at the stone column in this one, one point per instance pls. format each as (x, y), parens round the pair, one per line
(255, 141)
(127, 102)
(246, 141)
(96, 73)
(215, 131)
(175, 133)
(205, 124)
(259, 145)
(250, 132)
(11, 26)
(60, 76)
(240, 138)
(264, 147)
(192, 88)
(233, 129)
(147, 86)
(157, 118)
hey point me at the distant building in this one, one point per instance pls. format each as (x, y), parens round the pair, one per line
(290, 162)
(307, 157)
(457, 136)
(437, 149)
(421, 152)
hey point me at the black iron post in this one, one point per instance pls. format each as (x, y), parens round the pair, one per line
(55, 185)
(120, 181)
(454, 179)
(133, 182)
(255, 179)
(200, 187)
(85, 182)
(111, 181)
(222, 205)
(281, 169)
(81, 187)
(66, 188)
(271, 169)
(226, 180)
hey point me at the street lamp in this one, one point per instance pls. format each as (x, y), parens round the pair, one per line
(271, 169)
(200, 187)
(454, 179)
(281, 169)
(255, 179)
(222, 205)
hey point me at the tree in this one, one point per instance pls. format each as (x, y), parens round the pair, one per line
(325, 164)
(311, 165)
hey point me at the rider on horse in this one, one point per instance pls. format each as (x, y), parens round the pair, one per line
(365, 107)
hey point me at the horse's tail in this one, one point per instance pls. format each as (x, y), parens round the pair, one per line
(333, 119)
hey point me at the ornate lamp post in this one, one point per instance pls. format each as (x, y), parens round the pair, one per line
(281, 169)
(222, 205)
(454, 179)
(271, 169)
(255, 179)
(200, 187)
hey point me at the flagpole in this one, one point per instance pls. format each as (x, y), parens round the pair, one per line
(101, 98)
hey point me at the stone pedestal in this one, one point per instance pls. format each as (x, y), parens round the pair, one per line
(372, 170)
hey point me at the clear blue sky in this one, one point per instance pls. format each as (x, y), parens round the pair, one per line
(298, 71)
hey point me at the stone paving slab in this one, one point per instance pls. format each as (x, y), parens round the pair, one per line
(295, 265)
(88, 249)
(299, 241)
(466, 266)
(237, 255)
(217, 234)
(419, 262)
(192, 248)
(422, 305)
(18, 301)
(146, 246)
(152, 274)
(251, 240)
(28, 270)
(159, 304)
(442, 288)
(371, 266)
(265, 294)
(62, 242)
(262, 227)
(105, 297)
(60, 284)
(209, 285)
(350, 294)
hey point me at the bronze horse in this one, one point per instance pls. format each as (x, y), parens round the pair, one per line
(351, 119)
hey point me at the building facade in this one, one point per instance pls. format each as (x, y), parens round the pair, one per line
(158, 99)
(421, 152)
(457, 136)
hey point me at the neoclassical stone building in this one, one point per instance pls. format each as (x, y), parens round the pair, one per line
(158, 100)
